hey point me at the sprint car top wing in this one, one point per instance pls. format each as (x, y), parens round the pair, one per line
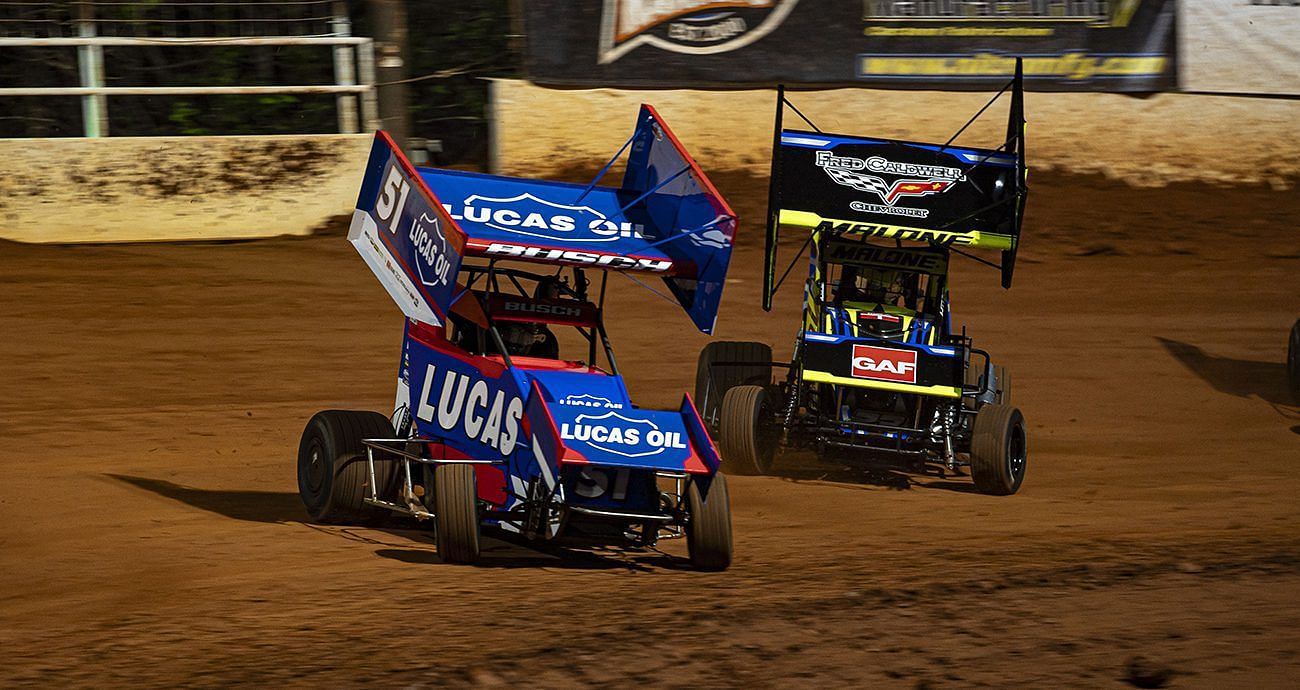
(666, 218)
(938, 194)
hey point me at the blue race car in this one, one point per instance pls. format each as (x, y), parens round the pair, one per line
(511, 412)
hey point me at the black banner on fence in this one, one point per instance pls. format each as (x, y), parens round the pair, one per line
(1069, 45)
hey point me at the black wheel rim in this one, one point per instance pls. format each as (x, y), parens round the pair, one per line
(1016, 454)
(314, 471)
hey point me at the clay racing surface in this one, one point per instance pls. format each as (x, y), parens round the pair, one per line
(151, 534)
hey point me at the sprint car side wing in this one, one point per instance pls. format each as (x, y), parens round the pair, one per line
(405, 236)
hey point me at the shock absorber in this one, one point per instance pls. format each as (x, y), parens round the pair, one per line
(793, 388)
(949, 413)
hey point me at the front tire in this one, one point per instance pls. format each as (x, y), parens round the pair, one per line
(746, 432)
(999, 453)
(333, 477)
(455, 501)
(708, 536)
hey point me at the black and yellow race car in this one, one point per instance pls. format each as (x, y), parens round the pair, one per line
(878, 371)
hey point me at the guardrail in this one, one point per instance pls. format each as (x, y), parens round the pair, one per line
(354, 57)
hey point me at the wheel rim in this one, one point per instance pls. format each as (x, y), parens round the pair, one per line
(1016, 453)
(315, 470)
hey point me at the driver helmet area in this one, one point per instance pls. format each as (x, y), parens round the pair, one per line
(523, 321)
(533, 338)
(882, 303)
(871, 287)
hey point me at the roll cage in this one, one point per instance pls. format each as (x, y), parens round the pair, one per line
(472, 309)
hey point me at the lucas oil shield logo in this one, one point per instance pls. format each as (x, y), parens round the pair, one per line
(526, 214)
(699, 27)
(613, 433)
(916, 180)
(884, 364)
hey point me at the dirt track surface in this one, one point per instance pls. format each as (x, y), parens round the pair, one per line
(151, 535)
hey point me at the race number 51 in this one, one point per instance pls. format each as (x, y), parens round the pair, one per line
(392, 198)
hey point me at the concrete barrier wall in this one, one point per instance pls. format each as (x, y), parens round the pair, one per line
(1148, 142)
(176, 188)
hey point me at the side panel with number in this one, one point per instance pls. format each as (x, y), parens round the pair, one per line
(405, 236)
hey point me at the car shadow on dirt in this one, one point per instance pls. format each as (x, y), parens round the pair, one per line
(499, 550)
(1242, 378)
(867, 474)
(250, 506)
(410, 541)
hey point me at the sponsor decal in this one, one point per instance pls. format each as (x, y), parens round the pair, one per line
(431, 246)
(425, 233)
(589, 400)
(942, 238)
(528, 214)
(594, 482)
(1073, 67)
(713, 237)
(469, 405)
(541, 308)
(884, 364)
(858, 253)
(979, 11)
(918, 180)
(700, 27)
(581, 258)
(624, 436)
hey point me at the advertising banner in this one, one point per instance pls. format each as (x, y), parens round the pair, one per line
(1085, 45)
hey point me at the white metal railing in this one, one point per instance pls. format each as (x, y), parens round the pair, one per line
(90, 67)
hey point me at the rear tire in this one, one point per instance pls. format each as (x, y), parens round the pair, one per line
(746, 432)
(709, 398)
(999, 452)
(333, 475)
(1293, 362)
(708, 536)
(455, 500)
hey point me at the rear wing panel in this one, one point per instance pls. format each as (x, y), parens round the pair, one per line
(940, 195)
(405, 236)
(895, 189)
(540, 221)
(696, 224)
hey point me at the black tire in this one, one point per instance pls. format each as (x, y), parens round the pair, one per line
(455, 500)
(746, 431)
(708, 535)
(1293, 361)
(709, 398)
(1003, 380)
(998, 451)
(332, 472)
